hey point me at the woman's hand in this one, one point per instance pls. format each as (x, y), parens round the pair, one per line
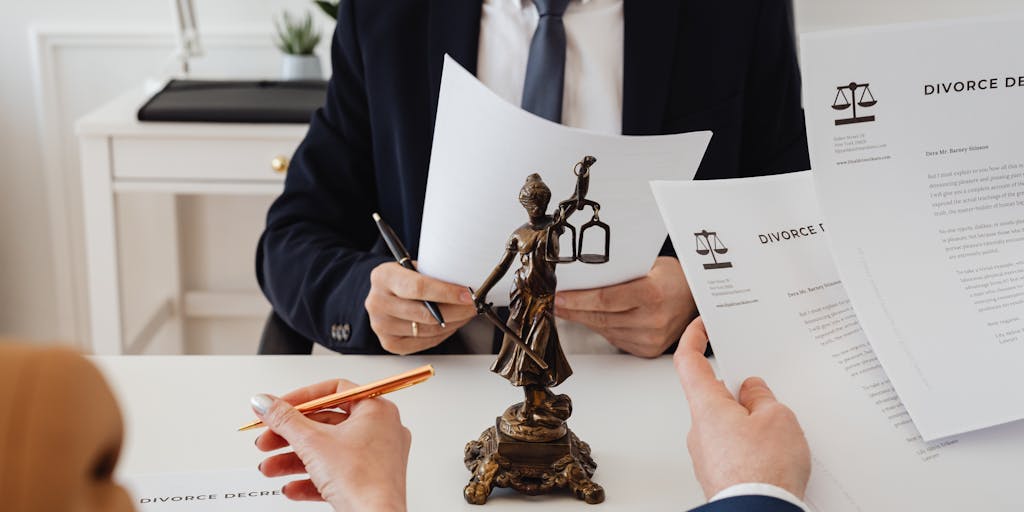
(355, 459)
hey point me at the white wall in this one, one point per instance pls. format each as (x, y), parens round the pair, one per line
(33, 285)
(813, 15)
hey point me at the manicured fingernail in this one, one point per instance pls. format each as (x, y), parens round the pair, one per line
(559, 301)
(466, 298)
(261, 403)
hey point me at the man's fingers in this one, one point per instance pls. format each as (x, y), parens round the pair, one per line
(695, 337)
(415, 311)
(617, 298)
(301, 490)
(702, 387)
(415, 286)
(390, 326)
(639, 342)
(599, 320)
(755, 394)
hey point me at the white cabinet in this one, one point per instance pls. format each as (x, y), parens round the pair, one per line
(150, 164)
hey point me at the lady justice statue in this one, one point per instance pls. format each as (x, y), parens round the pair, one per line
(530, 448)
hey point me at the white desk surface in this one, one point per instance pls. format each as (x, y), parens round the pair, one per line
(181, 413)
(119, 117)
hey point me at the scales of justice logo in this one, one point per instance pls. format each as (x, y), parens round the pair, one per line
(709, 243)
(843, 102)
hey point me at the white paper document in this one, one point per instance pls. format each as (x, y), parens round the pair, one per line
(918, 158)
(213, 491)
(757, 258)
(484, 148)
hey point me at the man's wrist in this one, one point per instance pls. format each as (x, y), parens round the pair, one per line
(759, 489)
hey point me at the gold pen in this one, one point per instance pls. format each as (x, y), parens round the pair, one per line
(373, 389)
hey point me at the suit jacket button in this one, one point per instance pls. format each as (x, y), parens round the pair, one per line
(344, 331)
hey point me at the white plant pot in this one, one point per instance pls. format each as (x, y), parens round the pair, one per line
(300, 67)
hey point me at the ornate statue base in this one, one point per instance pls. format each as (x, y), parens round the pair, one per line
(533, 453)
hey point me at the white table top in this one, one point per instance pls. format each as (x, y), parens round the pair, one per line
(120, 117)
(181, 413)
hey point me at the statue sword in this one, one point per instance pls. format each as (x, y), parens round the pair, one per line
(488, 312)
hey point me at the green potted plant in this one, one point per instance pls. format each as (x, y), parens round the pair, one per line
(328, 6)
(297, 38)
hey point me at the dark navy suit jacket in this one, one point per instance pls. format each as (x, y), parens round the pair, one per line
(725, 65)
(749, 504)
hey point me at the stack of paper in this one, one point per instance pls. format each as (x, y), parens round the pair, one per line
(484, 148)
(882, 296)
(213, 491)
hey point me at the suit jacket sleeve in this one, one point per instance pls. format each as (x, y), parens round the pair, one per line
(774, 133)
(774, 137)
(315, 256)
(748, 504)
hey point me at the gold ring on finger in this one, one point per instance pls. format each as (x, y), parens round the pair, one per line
(415, 330)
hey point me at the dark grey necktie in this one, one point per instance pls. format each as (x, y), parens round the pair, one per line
(545, 69)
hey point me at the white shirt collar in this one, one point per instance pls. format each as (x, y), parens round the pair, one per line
(529, 3)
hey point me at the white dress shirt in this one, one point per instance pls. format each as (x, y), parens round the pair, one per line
(754, 489)
(591, 99)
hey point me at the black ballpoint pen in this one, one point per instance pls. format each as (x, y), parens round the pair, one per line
(402, 255)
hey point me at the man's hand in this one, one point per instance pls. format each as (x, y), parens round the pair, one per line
(643, 317)
(396, 300)
(753, 440)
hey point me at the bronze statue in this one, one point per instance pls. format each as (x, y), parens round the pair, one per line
(530, 448)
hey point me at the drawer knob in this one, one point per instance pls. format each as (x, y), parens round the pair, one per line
(279, 164)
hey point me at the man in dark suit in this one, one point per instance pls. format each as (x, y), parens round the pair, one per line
(628, 66)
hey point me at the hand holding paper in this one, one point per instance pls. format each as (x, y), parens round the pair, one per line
(749, 439)
(775, 307)
(485, 147)
(643, 317)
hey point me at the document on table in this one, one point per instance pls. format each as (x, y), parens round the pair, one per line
(213, 491)
(757, 258)
(919, 166)
(484, 148)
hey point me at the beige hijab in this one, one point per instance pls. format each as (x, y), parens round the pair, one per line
(60, 433)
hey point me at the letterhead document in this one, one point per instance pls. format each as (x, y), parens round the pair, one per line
(213, 491)
(756, 255)
(918, 159)
(483, 150)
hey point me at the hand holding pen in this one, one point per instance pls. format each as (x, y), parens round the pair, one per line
(396, 302)
(357, 457)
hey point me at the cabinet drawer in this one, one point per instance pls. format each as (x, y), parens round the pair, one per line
(259, 160)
